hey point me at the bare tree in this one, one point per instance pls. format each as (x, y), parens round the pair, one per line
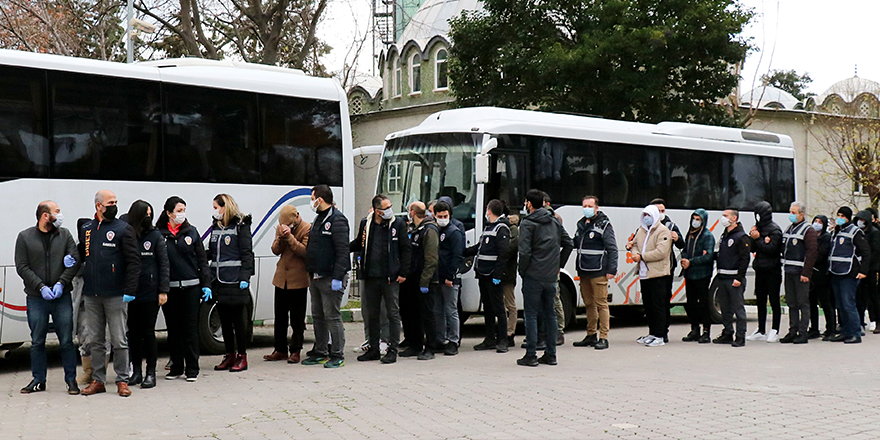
(853, 147)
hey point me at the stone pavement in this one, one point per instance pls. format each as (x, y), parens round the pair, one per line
(821, 390)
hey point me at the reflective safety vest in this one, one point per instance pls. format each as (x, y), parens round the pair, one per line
(591, 249)
(488, 252)
(225, 254)
(728, 255)
(843, 250)
(794, 250)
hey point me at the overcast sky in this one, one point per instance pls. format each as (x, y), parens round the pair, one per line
(825, 38)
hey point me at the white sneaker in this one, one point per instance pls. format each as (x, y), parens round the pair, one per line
(756, 336)
(872, 326)
(645, 339)
(772, 336)
(383, 347)
(365, 347)
(656, 342)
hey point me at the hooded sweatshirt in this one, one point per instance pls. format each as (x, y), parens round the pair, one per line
(823, 247)
(699, 249)
(654, 244)
(768, 254)
(873, 236)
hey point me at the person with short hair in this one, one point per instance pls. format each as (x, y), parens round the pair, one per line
(597, 252)
(423, 281)
(799, 251)
(490, 265)
(849, 263)
(508, 282)
(734, 253)
(46, 260)
(451, 257)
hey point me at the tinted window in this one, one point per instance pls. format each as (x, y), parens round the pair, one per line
(565, 169)
(24, 147)
(749, 180)
(302, 141)
(631, 175)
(783, 185)
(210, 135)
(105, 128)
(693, 180)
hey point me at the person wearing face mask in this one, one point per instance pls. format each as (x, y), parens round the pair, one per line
(651, 247)
(767, 238)
(697, 262)
(596, 265)
(291, 283)
(820, 285)
(190, 281)
(328, 264)
(450, 258)
(849, 263)
(422, 284)
(866, 295)
(799, 251)
(384, 244)
(231, 259)
(490, 265)
(108, 249)
(46, 260)
(734, 253)
(677, 242)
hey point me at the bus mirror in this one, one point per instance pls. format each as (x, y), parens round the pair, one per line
(482, 168)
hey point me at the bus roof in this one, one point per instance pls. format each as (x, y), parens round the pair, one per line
(222, 74)
(497, 121)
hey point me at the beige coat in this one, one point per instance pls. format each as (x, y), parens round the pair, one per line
(656, 255)
(290, 273)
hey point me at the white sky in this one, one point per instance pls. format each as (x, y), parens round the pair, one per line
(825, 38)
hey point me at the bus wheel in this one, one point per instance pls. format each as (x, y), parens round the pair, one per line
(715, 310)
(566, 296)
(210, 333)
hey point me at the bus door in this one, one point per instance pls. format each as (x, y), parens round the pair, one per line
(508, 180)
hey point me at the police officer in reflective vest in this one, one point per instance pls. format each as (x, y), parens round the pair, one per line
(733, 262)
(799, 252)
(849, 262)
(596, 265)
(490, 265)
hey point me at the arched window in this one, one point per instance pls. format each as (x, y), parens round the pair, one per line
(397, 75)
(441, 77)
(356, 105)
(415, 73)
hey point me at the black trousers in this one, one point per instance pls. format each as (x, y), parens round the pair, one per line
(698, 306)
(654, 299)
(820, 294)
(732, 306)
(495, 316)
(376, 290)
(182, 319)
(767, 284)
(411, 313)
(233, 322)
(290, 308)
(866, 298)
(426, 301)
(142, 334)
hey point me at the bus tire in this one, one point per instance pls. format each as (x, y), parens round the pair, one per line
(569, 303)
(715, 309)
(210, 334)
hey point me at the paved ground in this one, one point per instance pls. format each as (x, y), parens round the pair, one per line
(683, 390)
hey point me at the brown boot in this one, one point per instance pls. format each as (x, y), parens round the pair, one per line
(122, 389)
(294, 357)
(94, 388)
(240, 364)
(228, 361)
(275, 356)
(86, 376)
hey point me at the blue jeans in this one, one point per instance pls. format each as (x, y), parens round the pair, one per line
(446, 320)
(539, 297)
(844, 289)
(38, 312)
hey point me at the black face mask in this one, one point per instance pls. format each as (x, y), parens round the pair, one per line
(110, 212)
(147, 223)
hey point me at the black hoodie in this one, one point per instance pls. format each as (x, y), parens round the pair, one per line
(768, 254)
(823, 242)
(873, 236)
(544, 246)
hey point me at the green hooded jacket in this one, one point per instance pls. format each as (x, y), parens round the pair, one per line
(699, 248)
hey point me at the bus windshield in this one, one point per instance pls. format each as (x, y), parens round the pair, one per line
(426, 167)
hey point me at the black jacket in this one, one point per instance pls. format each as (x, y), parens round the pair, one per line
(398, 254)
(111, 261)
(544, 246)
(768, 256)
(862, 262)
(823, 242)
(327, 253)
(872, 235)
(234, 243)
(40, 267)
(187, 259)
(493, 248)
(512, 256)
(609, 260)
(677, 243)
(450, 253)
(154, 266)
(734, 252)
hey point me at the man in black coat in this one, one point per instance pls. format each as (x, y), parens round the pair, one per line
(767, 238)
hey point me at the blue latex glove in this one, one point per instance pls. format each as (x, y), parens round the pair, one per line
(47, 293)
(127, 298)
(243, 285)
(57, 290)
(336, 285)
(207, 294)
(423, 289)
(69, 261)
(496, 281)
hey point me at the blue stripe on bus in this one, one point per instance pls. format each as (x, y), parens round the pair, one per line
(284, 199)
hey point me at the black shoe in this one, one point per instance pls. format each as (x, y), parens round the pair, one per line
(34, 387)
(451, 349)
(601, 344)
(72, 388)
(589, 341)
(724, 338)
(149, 381)
(705, 338)
(389, 358)
(528, 361)
(404, 344)
(501, 348)
(547, 359)
(168, 365)
(136, 378)
(560, 340)
(542, 345)
(814, 334)
(524, 344)
(853, 340)
(487, 344)
(839, 338)
(410, 352)
(740, 341)
(510, 341)
(426, 355)
(371, 355)
(827, 336)
(693, 336)
(666, 339)
(802, 338)
(789, 338)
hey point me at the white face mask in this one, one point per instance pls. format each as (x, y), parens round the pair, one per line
(817, 226)
(179, 217)
(59, 220)
(696, 223)
(314, 205)
(443, 222)
(217, 215)
(388, 214)
(725, 222)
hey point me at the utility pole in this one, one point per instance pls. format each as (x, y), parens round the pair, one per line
(128, 32)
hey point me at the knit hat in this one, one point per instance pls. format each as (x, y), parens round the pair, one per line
(846, 211)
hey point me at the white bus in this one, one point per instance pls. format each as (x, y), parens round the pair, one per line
(477, 154)
(188, 127)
